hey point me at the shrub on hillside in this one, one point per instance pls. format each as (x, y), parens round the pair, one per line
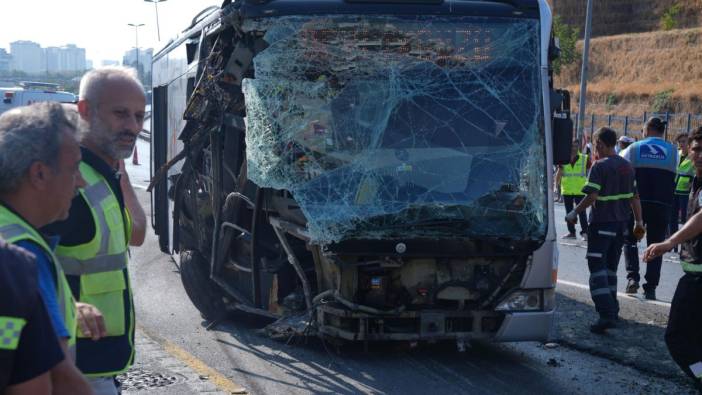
(567, 36)
(663, 101)
(669, 20)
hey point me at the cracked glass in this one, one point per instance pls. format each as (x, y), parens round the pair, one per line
(385, 127)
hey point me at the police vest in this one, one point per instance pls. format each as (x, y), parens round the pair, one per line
(100, 268)
(685, 174)
(14, 229)
(574, 177)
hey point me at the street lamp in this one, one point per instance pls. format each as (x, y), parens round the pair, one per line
(158, 29)
(136, 27)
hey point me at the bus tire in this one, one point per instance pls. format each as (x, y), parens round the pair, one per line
(207, 296)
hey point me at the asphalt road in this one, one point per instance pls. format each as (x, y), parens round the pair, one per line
(572, 265)
(264, 366)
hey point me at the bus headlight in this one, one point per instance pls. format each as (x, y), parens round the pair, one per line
(522, 300)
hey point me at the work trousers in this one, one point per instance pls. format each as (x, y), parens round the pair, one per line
(570, 202)
(604, 248)
(679, 212)
(683, 335)
(656, 217)
(631, 248)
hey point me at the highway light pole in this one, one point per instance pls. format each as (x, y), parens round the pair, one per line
(136, 27)
(583, 73)
(158, 29)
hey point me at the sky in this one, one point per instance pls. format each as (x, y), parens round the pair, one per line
(99, 26)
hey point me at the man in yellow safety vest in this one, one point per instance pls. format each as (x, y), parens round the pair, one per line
(686, 171)
(572, 178)
(39, 157)
(105, 219)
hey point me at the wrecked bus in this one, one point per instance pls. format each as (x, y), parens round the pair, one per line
(363, 170)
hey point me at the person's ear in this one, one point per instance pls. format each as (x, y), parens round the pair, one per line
(38, 175)
(84, 109)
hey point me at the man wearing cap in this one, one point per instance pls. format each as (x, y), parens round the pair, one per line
(623, 143)
(655, 162)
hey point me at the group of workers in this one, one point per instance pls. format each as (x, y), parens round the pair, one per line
(645, 187)
(68, 215)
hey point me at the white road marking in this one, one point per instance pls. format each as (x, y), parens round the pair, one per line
(620, 294)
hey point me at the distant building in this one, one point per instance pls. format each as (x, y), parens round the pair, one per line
(88, 64)
(53, 59)
(72, 58)
(145, 57)
(31, 58)
(27, 56)
(108, 62)
(5, 60)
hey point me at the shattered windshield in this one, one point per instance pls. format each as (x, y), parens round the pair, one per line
(397, 127)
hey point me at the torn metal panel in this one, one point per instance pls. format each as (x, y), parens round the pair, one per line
(390, 127)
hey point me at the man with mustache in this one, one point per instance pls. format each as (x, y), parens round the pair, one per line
(682, 335)
(104, 220)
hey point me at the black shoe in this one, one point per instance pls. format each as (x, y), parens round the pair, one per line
(650, 294)
(632, 287)
(600, 327)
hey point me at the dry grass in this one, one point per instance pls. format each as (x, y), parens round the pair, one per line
(627, 16)
(634, 68)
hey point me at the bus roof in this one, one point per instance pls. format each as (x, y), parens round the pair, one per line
(277, 8)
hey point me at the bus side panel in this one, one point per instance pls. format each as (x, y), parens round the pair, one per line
(171, 72)
(159, 140)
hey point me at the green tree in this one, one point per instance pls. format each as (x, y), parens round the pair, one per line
(567, 36)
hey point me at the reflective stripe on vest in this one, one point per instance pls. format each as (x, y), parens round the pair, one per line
(101, 264)
(574, 177)
(691, 267)
(684, 177)
(95, 195)
(14, 229)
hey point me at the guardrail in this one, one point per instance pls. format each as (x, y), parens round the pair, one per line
(633, 125)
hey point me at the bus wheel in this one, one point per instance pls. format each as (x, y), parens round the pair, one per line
(207, 296)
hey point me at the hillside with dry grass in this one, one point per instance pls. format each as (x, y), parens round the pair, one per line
(629, 74)
(630, 16)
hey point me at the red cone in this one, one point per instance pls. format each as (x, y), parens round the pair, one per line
(135, 157)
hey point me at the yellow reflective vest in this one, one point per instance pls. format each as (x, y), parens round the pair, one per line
(100, 266)
(15, 229)
(574, 177)
(686, 172)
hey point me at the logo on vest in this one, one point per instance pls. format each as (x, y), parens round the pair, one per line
(652, 151)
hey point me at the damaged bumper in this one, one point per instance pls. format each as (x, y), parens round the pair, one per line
(432, 325)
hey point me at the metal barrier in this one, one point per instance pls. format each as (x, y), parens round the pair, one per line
(633, 125)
